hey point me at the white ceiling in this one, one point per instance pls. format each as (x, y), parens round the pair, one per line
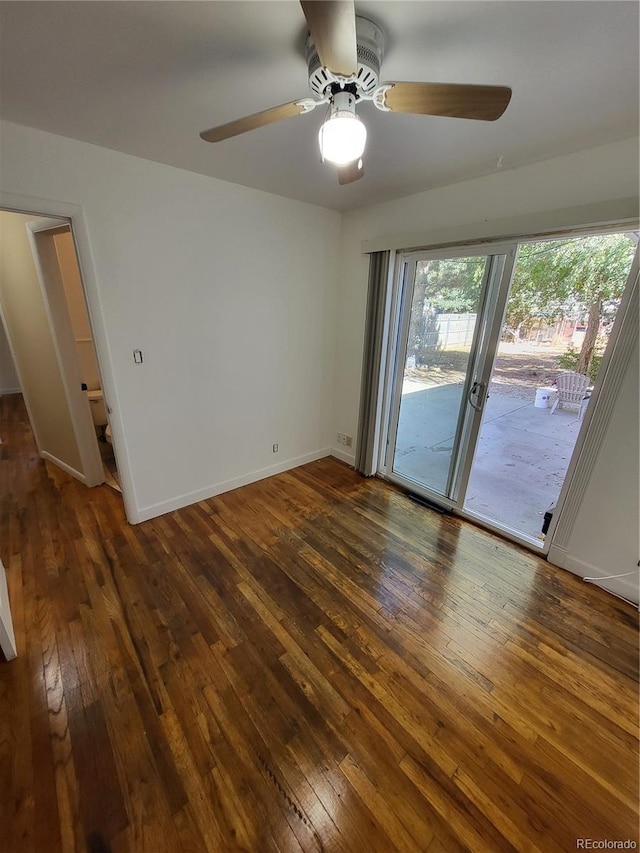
(146, 77)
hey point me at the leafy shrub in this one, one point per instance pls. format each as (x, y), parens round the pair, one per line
(568, 360)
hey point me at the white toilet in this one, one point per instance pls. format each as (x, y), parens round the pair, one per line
(99, 412)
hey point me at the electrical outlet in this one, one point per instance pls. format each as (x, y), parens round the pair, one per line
(275, 448)
(342, 438)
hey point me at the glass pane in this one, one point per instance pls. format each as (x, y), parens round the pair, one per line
(559, 315)
(444, 313)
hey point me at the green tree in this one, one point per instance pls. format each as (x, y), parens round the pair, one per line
(449, 286)
(554, 278)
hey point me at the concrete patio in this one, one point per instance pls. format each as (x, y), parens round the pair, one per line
(522, 456)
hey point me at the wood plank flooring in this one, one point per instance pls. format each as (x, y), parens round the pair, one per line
(309, 663)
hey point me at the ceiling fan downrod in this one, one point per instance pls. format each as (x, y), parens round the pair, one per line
(370, 51)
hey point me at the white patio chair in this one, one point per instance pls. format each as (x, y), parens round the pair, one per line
(572, 390)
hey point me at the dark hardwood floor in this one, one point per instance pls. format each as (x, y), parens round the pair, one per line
(312, 662)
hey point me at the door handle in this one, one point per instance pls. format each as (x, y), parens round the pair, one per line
(477, 390)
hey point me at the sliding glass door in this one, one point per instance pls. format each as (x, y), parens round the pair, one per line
(559, 322)
(450, 319)
(449, 315)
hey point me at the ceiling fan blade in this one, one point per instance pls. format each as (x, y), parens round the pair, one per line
(252, 122)
(485, 103)
(332, 24)
(350, 172)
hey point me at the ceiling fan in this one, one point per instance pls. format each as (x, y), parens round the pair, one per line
(344, 54)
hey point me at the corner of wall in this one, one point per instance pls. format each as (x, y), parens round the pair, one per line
(349, 458)
(627, 587)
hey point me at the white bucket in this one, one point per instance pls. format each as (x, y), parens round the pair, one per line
(543, 398)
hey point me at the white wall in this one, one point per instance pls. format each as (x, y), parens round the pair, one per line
(9, 382)
(229, 293)
(590, 186)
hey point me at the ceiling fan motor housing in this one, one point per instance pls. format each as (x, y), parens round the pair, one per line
(370, 49)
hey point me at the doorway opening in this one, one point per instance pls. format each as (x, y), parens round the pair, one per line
(46, 323)
(485, 338)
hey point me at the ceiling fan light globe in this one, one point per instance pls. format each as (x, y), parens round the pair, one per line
(342, 138)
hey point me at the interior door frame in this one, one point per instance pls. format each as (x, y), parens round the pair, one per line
(75, 213)
(64, 345)
(7, 633)
(481, 361)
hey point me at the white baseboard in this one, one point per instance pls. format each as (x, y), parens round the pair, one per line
(349, 458)
(17, 390)
(627, 587)
(152, 511)
(69, 470)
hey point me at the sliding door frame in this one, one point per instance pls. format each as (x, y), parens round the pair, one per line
(594, 419)
(496, 299)
(480, 364)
